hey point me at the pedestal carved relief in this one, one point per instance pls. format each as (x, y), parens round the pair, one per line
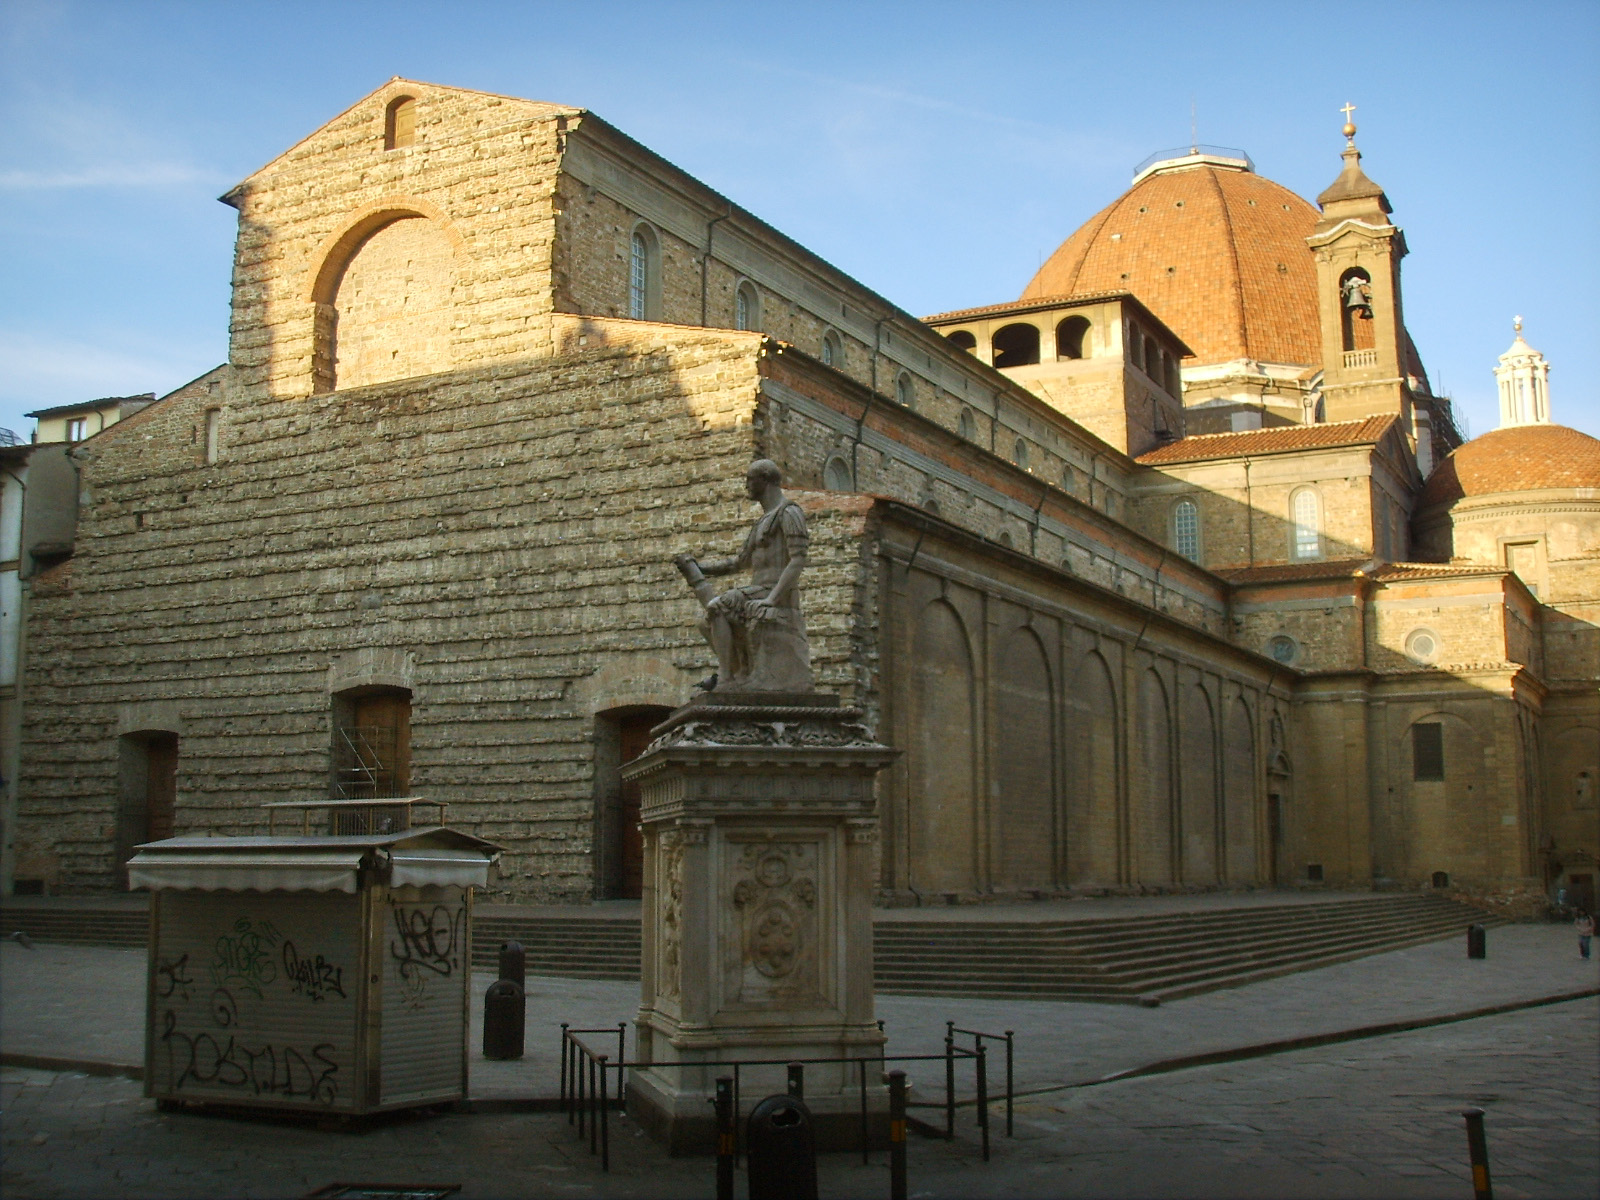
(774, 903)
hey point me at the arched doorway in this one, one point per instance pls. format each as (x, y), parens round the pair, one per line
(147, 792)
(620, 736)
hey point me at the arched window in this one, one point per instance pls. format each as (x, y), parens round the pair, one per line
(968, 426)
(1305, 514)
(1072, 338)
(1016, 345)
(905, 391)
(400, 123)
(213, 434)
(1172, 379)
(836, 475)
(644, 275)
(1135, 345)
(964, 339)
(832, 350)
(1186, 529)
(1019, 454)
(1355, 310)
(1069, 479)
(1152, 359)
(746, 306)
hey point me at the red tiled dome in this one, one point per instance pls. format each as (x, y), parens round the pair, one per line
(1523, 458)
(1218, 253)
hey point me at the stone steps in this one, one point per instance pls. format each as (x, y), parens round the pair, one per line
(1112, 959)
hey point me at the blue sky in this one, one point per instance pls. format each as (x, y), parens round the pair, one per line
(937, 152)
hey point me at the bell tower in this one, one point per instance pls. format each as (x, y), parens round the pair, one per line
(1358, 252)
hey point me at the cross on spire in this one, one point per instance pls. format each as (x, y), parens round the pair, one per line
(1349, 125)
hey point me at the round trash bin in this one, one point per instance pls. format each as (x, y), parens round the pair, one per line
(504, 1018)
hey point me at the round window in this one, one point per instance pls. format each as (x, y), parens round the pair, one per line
(1422, 646)
(1283, 648)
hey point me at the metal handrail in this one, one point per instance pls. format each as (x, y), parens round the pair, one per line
(587, 1099)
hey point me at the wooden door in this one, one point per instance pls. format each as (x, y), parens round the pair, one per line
(634, 737)
(382, 743)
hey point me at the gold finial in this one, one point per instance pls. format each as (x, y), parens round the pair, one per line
(1516, 324)
(1349, 125)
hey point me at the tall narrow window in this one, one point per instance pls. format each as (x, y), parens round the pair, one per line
(832, 351)
(1019, 454)
(1427, 752)
(967, 427)
(1186, 529)
(1307, 534)
(213, 434)
(644, 275)
(400, 123)
(746, 307)
(77, 429)
(905, 391)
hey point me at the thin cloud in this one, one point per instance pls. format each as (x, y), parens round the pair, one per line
(133, 175)
(41, 372)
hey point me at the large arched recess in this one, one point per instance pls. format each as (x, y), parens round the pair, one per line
(1092, 807)
(1198, 818)
(1154, 850)
(1024, 811)
(384, 297)
(942, 830)
(1239, 794)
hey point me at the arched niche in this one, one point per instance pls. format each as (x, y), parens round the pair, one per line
(942, 817)
(1024, 818)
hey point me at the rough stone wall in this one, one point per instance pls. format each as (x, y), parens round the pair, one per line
(495, 540)
(1467, 617)
(482, 171)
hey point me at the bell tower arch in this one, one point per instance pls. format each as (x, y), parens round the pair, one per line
(1358, 252)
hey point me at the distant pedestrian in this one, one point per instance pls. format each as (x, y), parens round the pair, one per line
(1585, 927)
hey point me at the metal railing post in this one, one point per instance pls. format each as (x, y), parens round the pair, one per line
(726, 1137)
(797, 1080)
(949, 1084)
(594, 1098)
(604, 1096)
(983, 1096)
(564, 1051)
(866, 1134)
(1010, 1081)
(622, 1058)
(897, 1135)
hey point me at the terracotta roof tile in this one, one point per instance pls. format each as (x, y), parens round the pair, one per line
(1220, 255)
(1333, 568)
(1523, 458)
(1278, 439)
(1396, 571)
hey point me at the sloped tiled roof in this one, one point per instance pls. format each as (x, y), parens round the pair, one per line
(1332, 568)
(1523, 458)
(1398, 571)
(1219, 254)
(1278, 439)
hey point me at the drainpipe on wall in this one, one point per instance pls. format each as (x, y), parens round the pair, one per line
(1249, 516)
(705, 266)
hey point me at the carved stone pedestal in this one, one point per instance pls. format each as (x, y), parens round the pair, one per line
(760, 851)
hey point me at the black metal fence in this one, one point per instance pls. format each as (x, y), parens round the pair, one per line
(588, 1097)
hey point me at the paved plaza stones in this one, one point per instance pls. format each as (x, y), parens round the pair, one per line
(1374, 1117)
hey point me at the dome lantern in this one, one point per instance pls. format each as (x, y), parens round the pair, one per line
(1524, 379)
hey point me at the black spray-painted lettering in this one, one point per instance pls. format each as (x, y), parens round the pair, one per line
(429, 946)
(314, 977)
(264, 1069)
(172, 978)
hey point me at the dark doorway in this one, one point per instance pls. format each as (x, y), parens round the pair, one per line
(147, 770)
(1580, 892)
(371, 757)
(621, 735)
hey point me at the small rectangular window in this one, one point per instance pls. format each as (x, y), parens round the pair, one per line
(1427, 752)
(76, 428)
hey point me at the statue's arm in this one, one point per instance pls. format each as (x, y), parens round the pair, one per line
(787, 581)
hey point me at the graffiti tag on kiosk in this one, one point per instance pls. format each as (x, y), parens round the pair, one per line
(428, 945)
(209, 1061)
(172, 977)
(244, 956)
(314, 977)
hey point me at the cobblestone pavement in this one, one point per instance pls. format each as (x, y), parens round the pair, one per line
(1376, 1118)
(80, 1002)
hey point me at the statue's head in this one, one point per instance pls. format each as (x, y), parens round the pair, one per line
(763, 473)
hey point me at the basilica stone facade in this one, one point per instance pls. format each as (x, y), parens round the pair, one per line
(1172, 573)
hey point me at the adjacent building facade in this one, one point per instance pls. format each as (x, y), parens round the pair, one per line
(1145, 602)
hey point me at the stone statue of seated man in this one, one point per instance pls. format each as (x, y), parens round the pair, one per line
(758, 631)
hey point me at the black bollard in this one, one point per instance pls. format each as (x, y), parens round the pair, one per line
(1477, 942)
(514, 964)
(782, 1151)
(726, 1133)
(1478, 1151)
(504, 1019)
(897, 1135)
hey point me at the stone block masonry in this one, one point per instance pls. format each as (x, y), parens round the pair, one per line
(494, 536)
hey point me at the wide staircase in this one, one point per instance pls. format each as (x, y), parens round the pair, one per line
(1125, 959)
(1148, 959)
